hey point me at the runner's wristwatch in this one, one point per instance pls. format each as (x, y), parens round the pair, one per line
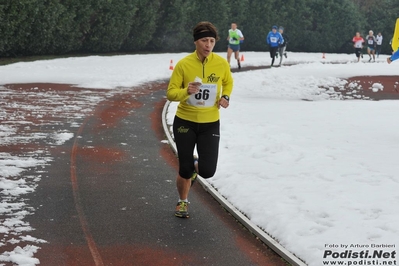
(226, 97)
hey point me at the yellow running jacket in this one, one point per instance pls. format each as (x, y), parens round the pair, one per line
(216, 80)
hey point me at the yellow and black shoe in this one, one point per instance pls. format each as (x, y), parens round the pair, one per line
(182, 209)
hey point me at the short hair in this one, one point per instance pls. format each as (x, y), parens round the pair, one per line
(205, 26)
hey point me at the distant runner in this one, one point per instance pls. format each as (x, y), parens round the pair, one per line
(379, 43)
(235, 38)
(358, 44)
(393, 57)
(371, 45)
(282, 46)
(274, 39)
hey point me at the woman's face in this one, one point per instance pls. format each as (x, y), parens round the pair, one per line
(204, 46)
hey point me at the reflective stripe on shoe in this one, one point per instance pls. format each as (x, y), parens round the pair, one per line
(182, 209)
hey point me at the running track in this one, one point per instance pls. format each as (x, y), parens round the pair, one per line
(108, 196)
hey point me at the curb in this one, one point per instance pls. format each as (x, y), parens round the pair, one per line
(253, 228)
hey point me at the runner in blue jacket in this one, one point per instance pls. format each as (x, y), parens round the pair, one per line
(393, 57)
(274, 39)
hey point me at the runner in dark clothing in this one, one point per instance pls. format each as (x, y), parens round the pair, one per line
(282, 46)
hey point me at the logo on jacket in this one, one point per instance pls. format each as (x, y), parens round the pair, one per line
(212, 78)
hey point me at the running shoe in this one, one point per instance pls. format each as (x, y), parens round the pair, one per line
(370, 59)
(285, 54)
(239, 65)
(182, 209)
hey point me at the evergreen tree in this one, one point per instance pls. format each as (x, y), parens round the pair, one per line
(109, 24)
(171, 34)
(17, 19)
(51, 22)
(260, 19)
(216, 12)
(333, 25)
(143, 25)
(35, 27)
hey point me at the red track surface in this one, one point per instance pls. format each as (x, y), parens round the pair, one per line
(75, 200)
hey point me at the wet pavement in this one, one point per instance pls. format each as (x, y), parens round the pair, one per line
(106, 196)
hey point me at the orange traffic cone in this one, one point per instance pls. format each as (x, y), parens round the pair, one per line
(242, 58)
(171, 65)
(324, 56)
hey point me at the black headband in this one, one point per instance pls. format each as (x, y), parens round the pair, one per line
(204, 34)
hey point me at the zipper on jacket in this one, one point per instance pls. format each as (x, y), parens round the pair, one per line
(203, 67)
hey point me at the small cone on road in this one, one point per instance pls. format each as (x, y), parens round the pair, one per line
(324, 56)
(171, 65)
(242, 58)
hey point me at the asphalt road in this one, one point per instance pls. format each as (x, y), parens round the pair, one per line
(109, 195)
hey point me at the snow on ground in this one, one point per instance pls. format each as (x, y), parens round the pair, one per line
(34, 121)
(316, 175)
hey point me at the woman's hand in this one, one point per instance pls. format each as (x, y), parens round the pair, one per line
(223, 103)
(193, 87)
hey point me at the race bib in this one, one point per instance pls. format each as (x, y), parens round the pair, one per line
(273, 39)
(206, 97)
(371, 41)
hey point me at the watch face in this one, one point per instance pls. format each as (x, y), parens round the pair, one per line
(226, 97)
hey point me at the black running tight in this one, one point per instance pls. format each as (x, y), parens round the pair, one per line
(206, 136)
